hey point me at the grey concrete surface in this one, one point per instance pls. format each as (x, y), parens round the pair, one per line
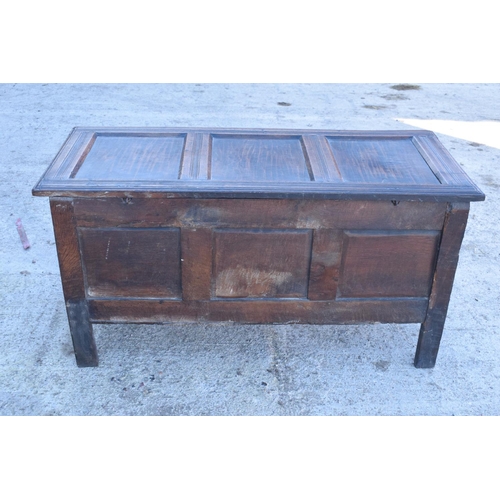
(233, 369)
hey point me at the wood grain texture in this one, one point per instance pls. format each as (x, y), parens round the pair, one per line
(286, 214)
(195, 162)
(133, 158)
(196, 263)
(256, 226)
(68, 250)
(72, 154)
(82, 334)
(245, 190)
(260, 311)
(439, 160)
(323, 165)
(258, 158)
(132, 262)
(256, 163)
(431, 330)
(387, 264)
(261, 264)
(374, 161)
(73, 284)
(325, 264)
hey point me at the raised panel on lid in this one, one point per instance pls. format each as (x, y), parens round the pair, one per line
(132, 157)
(380, 160)
(258, 159)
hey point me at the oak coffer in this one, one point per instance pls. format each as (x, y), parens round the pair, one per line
(157, 225)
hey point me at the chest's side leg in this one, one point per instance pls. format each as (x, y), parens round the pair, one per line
(70, 264)
(432, 327)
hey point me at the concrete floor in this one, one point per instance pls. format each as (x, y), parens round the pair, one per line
(230, 369)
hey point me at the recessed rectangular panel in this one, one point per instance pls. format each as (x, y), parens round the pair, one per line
(258, 159)
(388, 264)
(387, 161)
(132, 262)
(261, 264)
(129, 157)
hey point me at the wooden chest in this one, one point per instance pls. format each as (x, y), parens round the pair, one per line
(256, 226)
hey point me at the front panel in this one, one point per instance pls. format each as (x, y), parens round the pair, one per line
(121, 262)
(261, 263)
(268, 268)
(384, 264)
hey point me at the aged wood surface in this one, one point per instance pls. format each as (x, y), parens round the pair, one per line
(373, 161)
(68, 250)
(256, 226)
(255, 158)
(132, 262)
(143, 158)
(283, 190)
(196, 263)
(388, 263)
(432, 328)
(260, 311)
(82, 334)
(170, 162)
(286, 214)
(196, 157)
(73, 282)
(325, 264)
(261, 263)
(323, 165)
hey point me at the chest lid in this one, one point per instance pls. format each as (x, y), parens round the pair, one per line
(256, 163)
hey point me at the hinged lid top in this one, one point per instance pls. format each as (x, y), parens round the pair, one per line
(237, 163)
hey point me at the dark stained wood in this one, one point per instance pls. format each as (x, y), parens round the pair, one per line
(372, 161)
(132, 262)
(387, 264)
(325, 264)
(439, 159)
(68, 250)
(261, 264)
(195, 160)
(258, 214)
(73, 282)
(323, 165)
(254, 158)
(73, 153)
(82, 334)
(260, 311)
(196, 263)
(117, 157)
(256, 226)
(221, 163)
(431, 330)
(245, 190)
